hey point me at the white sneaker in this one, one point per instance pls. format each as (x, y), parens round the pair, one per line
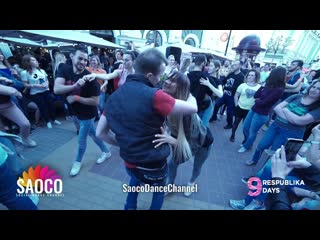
(49, 125)
(255, 205)
(57, 122)
(242, 150)
(188, 194)
(237, 204)
(75, 168)
(29, 142)
(34, 198)
(104, 156)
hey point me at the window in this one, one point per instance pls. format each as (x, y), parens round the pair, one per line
(154, 37)
(191, 42)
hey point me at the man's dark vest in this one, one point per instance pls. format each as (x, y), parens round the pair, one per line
(132, 117)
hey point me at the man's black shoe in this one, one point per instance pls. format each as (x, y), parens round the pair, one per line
(213, 119)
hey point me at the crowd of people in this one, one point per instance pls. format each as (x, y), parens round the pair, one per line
(146, 104)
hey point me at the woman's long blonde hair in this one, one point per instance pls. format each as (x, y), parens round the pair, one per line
(59, 58)
(182, 150)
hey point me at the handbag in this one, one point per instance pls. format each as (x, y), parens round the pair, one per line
(200, 135)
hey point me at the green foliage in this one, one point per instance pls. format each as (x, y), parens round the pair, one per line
(279, 44)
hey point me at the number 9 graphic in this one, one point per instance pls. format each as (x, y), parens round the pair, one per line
(256, 188)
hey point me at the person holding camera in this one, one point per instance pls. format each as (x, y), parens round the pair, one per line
(306, 167)
(280, 168)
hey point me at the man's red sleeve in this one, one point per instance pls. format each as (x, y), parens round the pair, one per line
(163, 103)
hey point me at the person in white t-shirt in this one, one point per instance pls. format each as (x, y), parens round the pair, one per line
(244, 100)
(36, 79)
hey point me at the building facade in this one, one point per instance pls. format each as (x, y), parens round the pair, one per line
(305, 43)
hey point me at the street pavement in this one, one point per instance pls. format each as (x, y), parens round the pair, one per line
(99, 187)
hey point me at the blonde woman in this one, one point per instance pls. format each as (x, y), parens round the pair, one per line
(185, 66)
(189, 137)
(59, 60)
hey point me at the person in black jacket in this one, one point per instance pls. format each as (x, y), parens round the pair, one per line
(231, 83)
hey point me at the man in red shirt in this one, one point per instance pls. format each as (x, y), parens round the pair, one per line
(135, 113)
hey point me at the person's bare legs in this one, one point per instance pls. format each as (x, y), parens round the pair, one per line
(13, 113)
(34, 106)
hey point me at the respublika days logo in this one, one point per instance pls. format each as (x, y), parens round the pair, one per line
(42, 182)
(257, 186)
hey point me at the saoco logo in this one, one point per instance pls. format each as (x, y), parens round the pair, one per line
(43, 182)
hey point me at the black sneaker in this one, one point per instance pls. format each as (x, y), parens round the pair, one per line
(227, 126)
(232, 139)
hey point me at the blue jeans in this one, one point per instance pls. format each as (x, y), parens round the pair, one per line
(206, 114)
(229, 101)
(8, 191)
(157, 198)
(13, 162)
(102, 98)
(199, 158)
(266, 174)
(251, 125)
(275, 137)
(87, 128)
